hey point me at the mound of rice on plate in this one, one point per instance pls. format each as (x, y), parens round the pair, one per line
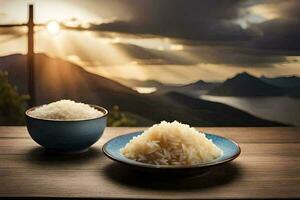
(171, 144)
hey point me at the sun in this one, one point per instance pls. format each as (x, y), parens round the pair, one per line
(53, 27)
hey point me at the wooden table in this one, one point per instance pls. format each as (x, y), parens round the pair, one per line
(268, 167)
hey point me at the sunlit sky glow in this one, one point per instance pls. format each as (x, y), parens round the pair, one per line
(47, 10)
(126, 55)
(53, 27)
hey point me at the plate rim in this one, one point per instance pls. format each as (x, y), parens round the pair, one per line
(134, 163)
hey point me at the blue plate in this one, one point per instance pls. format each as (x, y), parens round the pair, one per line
(111, 149)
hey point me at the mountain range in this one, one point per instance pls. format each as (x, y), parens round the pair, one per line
(192, 89)
(246, 85)
(284, 81)
(58, 79)
(241, 85)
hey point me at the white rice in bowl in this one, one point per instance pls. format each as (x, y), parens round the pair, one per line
(171, 144)
(65, 110)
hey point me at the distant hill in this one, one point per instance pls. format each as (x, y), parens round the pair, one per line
(246, 85)
(290, 84)
(197, 88)
(57, 79)
(192, 89)
(138, 83)
(283, 81)
(252, 86)
(200, 85)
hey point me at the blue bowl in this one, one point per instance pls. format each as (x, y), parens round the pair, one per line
(231, 150)
(66, 136)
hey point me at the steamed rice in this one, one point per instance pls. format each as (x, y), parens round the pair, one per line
(65, 110)
(171, 144)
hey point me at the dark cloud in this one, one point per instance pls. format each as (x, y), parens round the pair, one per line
(212, 20)
(216, 31)
(237, 56)
(193, 19)
(210, 25)
(234, 56)
(278, 35)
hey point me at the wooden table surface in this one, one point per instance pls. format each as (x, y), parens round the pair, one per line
(268, 167)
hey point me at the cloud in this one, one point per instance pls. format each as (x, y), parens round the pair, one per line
(276, 28)
(278, 35)
(279, 30)
(193, 19)
(282, 9)
(208, 30)
(193, 55)
(12, 30)
(11, 33)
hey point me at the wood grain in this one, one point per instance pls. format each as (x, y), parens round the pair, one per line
(269, 167)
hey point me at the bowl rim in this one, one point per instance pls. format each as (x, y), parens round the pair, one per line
(134, 163)
(99, 108)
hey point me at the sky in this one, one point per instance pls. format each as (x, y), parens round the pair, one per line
(172, 41)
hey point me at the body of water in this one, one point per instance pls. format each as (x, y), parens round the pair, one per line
(281, 109)
(145, 90)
